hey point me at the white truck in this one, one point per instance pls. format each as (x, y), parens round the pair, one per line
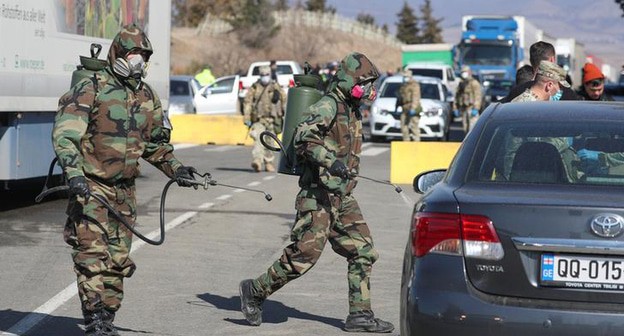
(41, 44)
(285, 72)
(571, 56)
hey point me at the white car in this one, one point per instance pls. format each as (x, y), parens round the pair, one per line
(285, 75)
(385, 117)
(182, 89)
(220, 97)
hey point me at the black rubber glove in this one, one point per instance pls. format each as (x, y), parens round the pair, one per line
(339, 169)
(184, 174)
(78, 186)
(276, 97)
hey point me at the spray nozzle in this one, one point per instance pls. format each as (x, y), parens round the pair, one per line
(396, 187)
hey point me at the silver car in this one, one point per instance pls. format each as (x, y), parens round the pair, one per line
(435, 117)
(182, 89)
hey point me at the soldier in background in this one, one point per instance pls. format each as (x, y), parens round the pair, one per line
(328, 144)
(104, 124)
(409, 100)
(263, 110)
(468, 99)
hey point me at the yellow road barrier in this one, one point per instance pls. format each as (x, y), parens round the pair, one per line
(209, 129)
(408, 159)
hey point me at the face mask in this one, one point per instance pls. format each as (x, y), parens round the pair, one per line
(556, 96)
(265, 79)
(406, 79)
(134, 67)
(464, 75)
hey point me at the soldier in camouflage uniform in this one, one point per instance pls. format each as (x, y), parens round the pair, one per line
(409, 100)
(104, 124)
(468, 99)
(328, 144)
(264, 107)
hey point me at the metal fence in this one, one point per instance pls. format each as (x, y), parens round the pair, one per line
(214, 26)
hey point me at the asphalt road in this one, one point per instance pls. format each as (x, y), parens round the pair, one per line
(215, 238)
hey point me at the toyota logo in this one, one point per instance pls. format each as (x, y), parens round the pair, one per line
(607, 225)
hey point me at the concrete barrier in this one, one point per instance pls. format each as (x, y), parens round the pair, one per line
(209, 129)
(408, 159)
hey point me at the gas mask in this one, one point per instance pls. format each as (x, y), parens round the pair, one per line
(265, 79)
(133, 66)
(366, 93)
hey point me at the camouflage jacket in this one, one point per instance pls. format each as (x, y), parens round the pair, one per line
(258, 102)
(410, 96)
(103, 127)
(468, 94)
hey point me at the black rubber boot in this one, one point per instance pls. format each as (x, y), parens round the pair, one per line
(251, 304)
(365, 321)
(100, 323)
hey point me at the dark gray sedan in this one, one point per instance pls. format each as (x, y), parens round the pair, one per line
(524, 233)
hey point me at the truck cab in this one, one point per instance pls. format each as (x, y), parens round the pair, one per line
(490, 47)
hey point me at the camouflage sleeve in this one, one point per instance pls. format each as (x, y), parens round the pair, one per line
(611, 159)
(70, 125)
(415, 102)
(282, 99)
(248, 102)
(309, 140)
(158, 150)
(476, 89)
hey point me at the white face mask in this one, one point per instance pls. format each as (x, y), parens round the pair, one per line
(265, 79)
(464, 75)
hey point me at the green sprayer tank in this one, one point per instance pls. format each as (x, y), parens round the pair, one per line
(300, 97)
(88, 65)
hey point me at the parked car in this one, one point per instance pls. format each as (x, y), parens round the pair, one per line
(182, 89)
(435, 117)
(220, 97)
(438, 70)
(520, 236)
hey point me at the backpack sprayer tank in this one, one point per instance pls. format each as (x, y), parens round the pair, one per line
(300, 98)
(88, 65)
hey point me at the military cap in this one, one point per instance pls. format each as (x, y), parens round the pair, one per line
(407, 73)
(265, 70)
(552, 71)
(465, 68)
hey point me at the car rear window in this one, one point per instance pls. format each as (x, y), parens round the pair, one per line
(550, 153)
(427, 90)
(179, 88)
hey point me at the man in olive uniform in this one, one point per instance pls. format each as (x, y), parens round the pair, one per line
(409, 100)
(328, 144)
(104, 124)
(264, 107)
(468, 99)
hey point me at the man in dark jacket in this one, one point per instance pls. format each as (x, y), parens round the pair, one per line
(593, 84)
(539, 51)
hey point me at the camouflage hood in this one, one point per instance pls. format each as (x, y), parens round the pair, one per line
(354, 69)
(129, 38)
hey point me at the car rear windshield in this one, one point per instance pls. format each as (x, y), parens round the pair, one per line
(550, 153)
(179, 88)
(437, 73)
(427, 90)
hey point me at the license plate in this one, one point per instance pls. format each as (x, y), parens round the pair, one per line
(577, 271)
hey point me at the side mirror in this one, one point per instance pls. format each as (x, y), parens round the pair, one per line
(206, 93)
(424, 181)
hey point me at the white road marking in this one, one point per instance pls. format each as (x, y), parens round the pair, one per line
(374, 151)
(205, 205)
(183, 146)
(238, 190)
(32, 319)
(253, 184)
(267, 178)
(219, 148)
(366, 144)
(223, 197)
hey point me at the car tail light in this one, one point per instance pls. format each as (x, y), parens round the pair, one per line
(291, 83)
(445, 233)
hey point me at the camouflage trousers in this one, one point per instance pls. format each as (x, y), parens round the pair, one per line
(468, 120)
(101, 245)
(259, 153)
(410, 128)
(322, 217)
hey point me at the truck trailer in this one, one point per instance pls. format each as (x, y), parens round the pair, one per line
(41, 44)
(571, 57)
